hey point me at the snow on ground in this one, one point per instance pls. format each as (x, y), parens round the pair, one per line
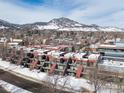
(108, 90)
(2, 27)
(110, 65)
(12, 88)
(71, 82)
(77, 29)
(47, 27)
(110, 29)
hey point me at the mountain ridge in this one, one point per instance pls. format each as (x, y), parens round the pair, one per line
(59, 24)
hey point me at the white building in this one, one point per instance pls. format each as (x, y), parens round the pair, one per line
(3, 40)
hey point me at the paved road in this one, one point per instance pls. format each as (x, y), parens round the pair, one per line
(23, 83)
(2, 90)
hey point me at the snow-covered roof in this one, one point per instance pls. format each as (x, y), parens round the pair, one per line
(118, 45)
(55, 53)
(3, 39)
(113, 63)
(63, 46)
(109, 40)
(112, 66)
(17, 40)
(68, 55)
(41, 51)
(52, 48)
(13, 43)
(106, 46)
(93, 56)
(79, 55)
(38, 46)
(29, 49)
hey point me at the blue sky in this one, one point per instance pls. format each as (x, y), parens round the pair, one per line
(101, 12)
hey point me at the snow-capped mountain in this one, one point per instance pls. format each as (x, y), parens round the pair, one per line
(65, 24)
(58, 24)
(7, 25)
(3, 24)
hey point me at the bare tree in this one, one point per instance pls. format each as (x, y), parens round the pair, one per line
(57, 83)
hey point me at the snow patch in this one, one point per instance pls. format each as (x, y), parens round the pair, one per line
(3, 27)
(74, 83)
(12, 88)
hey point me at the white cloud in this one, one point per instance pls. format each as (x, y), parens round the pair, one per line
(18, 14)
(101, 12)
